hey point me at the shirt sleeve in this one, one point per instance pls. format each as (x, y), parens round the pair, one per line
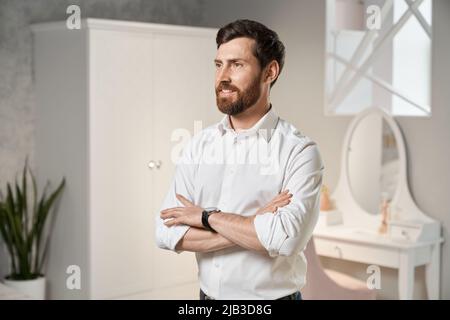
(182, 183)
(287, 231)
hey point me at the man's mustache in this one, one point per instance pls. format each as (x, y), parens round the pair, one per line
(226, 86)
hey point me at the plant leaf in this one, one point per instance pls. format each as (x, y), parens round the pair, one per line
(46, 209)
(22, 229)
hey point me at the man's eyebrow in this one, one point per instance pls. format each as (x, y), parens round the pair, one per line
(230, 60)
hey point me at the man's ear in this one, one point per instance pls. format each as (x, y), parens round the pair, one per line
(272, 71)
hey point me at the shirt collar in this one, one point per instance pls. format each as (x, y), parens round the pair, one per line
(264, 127)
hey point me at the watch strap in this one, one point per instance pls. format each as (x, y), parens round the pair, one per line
(205, 217)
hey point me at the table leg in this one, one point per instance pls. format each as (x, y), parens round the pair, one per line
(432, 276)
(406, 275)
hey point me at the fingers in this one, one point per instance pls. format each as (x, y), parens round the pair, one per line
(171, 222)
(279, 204)
(184, 201)
(285, 197)
(282, 194)
(282, 203)
(281, 197)
(170, 213)
(281, 200)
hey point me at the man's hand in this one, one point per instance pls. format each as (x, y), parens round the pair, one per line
(281, 200)
(190, 215)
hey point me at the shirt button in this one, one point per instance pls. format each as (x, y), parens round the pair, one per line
(216, 264)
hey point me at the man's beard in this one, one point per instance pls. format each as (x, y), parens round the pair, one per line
(244, 100)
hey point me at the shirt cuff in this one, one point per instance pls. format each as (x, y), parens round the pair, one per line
(269, 231)
(173, 235)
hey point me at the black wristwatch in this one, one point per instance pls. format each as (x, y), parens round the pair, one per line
(205, 216)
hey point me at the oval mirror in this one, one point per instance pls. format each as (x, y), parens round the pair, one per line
(373, 162)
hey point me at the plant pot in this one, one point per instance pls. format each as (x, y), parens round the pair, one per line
(34, 289)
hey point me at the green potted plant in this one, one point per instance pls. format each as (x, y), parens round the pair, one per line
(25, 232)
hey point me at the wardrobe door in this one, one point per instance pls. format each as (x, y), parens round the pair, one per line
(183, 99)
(120, 126)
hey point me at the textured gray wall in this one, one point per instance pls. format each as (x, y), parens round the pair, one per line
(16, 85)
(16, 78)
(298, 97)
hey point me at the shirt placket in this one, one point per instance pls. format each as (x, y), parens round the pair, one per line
(230, 169)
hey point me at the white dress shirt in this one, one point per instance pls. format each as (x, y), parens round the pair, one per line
(240, 172)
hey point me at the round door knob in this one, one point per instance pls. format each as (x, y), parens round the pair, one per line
(154, 164)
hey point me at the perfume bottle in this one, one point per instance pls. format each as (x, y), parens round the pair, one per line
(384, 210)
(325, 201)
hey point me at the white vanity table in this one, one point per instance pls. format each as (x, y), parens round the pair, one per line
(412, 238)
(354, 244)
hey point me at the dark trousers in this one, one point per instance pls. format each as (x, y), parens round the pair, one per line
(295, 296)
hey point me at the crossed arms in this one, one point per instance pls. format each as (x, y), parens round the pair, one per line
(282, 227)
(232, 229)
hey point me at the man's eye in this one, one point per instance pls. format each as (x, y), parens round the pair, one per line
(218, 65)
(237, 64)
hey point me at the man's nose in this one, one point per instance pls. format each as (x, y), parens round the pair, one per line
(223, 75)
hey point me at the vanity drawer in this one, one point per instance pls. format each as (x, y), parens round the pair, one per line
(405, 232)
(356, 252)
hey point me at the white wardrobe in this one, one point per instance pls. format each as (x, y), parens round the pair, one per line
(115, 100)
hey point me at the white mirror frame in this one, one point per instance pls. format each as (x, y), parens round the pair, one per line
(402, 203)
